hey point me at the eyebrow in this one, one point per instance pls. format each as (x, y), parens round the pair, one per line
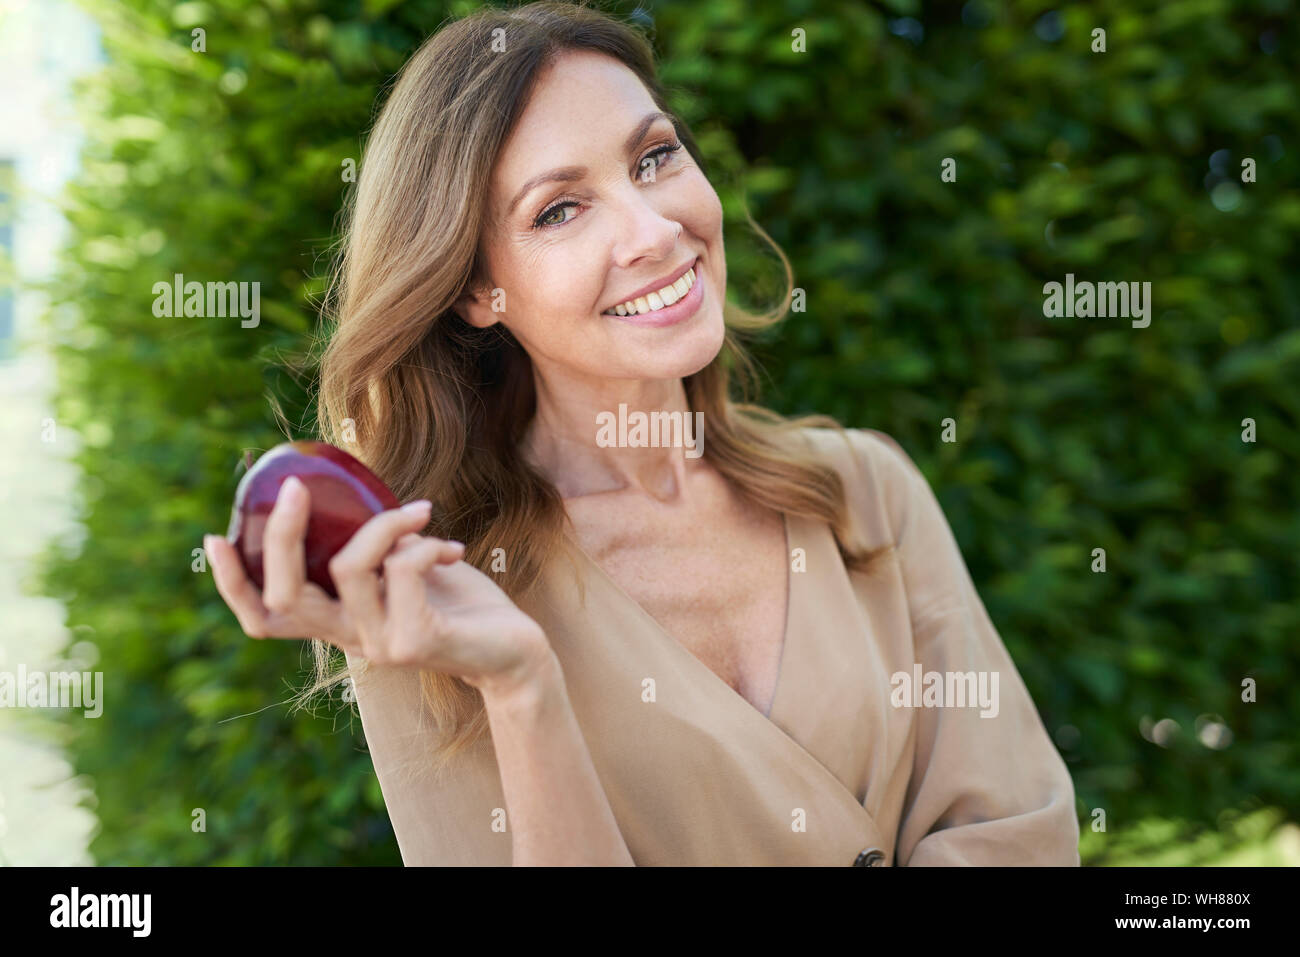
(568, 174)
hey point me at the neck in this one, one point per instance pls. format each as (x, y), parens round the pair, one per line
(566, 443)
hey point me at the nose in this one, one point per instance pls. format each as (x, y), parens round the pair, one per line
(646, 229)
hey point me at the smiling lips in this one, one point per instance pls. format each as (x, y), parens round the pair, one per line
(659, 299)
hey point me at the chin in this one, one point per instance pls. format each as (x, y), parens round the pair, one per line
(689, 353)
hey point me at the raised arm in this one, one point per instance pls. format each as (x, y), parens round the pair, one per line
(558, 810)
(526, 795)
(409, 603)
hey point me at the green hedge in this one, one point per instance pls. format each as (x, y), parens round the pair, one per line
(924, 302)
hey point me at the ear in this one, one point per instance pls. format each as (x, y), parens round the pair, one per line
(474, 305)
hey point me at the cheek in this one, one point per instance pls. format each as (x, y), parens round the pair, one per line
(552, 290)
(549, 281)
(704, 216)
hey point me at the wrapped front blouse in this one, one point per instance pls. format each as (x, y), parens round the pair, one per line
(900, 732)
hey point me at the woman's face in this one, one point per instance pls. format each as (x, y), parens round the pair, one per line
(630, 213)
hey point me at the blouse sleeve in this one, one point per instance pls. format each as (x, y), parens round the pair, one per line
(454, 817)
(987, 785)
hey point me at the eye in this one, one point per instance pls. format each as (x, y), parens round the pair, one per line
(541, 223)
(653, 156)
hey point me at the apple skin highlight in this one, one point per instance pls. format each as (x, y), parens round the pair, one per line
(344, 496)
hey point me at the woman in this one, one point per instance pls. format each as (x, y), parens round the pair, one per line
(688, 651)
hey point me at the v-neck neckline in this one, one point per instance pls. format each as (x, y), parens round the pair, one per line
(783, 660)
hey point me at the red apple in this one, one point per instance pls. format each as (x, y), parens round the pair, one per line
(344, 496)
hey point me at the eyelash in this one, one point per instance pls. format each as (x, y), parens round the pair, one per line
(563, 203)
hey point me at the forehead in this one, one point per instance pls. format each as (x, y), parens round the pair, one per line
(581, 105)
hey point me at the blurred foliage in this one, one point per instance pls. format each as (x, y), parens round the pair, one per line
(924, 301)
(1259, 838)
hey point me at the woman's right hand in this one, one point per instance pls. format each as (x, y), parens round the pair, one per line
(404, 599)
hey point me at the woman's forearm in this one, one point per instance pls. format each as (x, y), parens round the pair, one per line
(556, 808)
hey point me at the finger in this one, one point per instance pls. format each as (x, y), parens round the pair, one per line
(284, 562)
(409, 618)
(355, 568)
(377, 537)
(359, 594)
(404, 575)
(234, 586)
(315, 613)
(449, 553)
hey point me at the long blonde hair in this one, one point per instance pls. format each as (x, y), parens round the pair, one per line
(437, 407)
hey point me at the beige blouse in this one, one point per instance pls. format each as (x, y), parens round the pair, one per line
(865, 757)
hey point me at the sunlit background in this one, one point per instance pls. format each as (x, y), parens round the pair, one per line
(46, 808)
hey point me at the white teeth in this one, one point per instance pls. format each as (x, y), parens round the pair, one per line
(651, 302)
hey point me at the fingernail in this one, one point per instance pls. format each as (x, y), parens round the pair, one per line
(418, 506)
(207, 543)
(291, 485)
